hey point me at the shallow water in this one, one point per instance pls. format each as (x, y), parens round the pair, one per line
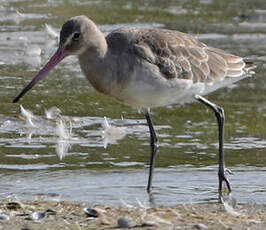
(75, 165)
(175, 185)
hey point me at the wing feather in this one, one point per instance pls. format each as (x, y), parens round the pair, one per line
(178, 55)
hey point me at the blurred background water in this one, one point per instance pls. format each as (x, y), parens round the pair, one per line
(69, 162)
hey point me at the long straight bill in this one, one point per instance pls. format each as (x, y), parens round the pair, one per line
(59, 55)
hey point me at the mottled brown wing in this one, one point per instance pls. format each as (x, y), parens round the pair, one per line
(180, 55)
(177, 54)
(223, 64)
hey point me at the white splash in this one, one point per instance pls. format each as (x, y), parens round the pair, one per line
(64, 135)
(27, 115)
(62, 131)
(17, 17)
(53, 113)
(50, 31)
(62, 148)
(111, 133)
(126, 204)
(230, 209)
(33, 50)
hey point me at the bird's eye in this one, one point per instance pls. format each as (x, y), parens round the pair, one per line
(76, 36)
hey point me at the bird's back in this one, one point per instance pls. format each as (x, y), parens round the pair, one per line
(177, 54)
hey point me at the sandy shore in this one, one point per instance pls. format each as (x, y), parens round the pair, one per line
(31, 215)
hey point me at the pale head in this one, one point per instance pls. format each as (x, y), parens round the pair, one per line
(78, 34)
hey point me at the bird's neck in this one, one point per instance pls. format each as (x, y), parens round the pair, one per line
(100, 49)
(94, 65)
(97, 46)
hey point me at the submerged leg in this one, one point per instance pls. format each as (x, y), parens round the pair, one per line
(219, 113)
(154, 147)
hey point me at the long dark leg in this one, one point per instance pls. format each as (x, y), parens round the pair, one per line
(219, 113)
(154, 147)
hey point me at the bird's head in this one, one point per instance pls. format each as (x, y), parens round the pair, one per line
(77, 35)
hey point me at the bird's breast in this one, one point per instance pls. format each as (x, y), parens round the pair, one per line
(138, 84)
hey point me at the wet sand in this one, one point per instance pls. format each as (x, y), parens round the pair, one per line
(66, 215)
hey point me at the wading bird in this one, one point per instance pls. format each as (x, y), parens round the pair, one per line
(147, 68)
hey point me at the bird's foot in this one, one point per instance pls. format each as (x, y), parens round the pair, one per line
(223, 178)
(151, 198)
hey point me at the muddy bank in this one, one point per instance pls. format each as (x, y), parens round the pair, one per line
(31, 215)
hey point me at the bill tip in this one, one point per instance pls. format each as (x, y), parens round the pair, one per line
(15, 100)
